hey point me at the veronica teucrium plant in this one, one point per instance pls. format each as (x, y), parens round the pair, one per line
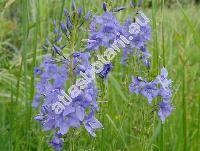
(53, 75)
(60, 112)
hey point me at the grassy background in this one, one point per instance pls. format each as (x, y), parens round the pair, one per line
(129, 124)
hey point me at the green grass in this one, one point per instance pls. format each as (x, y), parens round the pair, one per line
(128, 121)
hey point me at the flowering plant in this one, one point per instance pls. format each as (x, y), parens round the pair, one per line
(58, 111)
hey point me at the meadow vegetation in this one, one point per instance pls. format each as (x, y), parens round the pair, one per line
(129, 124)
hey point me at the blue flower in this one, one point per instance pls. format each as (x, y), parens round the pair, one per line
(162, 79)
(147, 89)
(91, 124)
(105, 30)
(150, 91)
(57, 143)
(81, 61)
(138, 36)
(137, 85)
(51, 82)
(165, 110)
(106, 69)
(161, 86)
(37, 71)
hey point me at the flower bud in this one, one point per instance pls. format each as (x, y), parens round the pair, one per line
(80, 11)
(73, 5)
(140, 3)
(104, 7)
(66, 12)
(63, 27)
(87, 16)
(69, 24)
(132, 4)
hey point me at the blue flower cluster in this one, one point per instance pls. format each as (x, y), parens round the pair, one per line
(160, 87)
(106, 30)
(106, 69)
(54, 76)
(64, 32)
(81, 111)
(138, 31)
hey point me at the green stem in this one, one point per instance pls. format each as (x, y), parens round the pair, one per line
(61, 12)
(155, 44)
(163, 49)
(25, 48)
(163, 36)
(184, 111)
